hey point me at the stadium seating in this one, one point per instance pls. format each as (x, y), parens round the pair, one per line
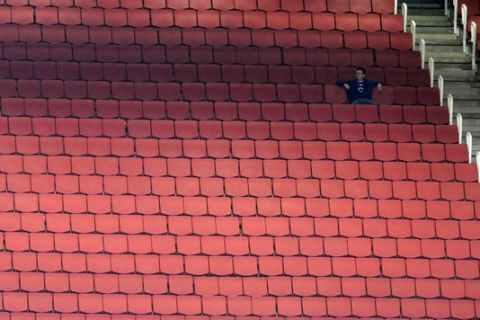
(192, 159)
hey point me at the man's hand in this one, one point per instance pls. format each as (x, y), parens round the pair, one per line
(347, 86)
(379, 87)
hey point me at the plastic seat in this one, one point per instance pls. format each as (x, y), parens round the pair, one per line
(346, 22)
(391, 23)
(369, 22)
(352, 132)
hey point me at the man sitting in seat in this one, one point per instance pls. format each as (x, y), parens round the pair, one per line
(360, 89)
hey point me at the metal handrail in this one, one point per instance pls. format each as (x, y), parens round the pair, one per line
(465, 30)
(413, 31)
(473, 30)
(469, 141)
(405, 16)
(478, 164)
(450, 109)
(460, 127)
(441, 88)
(422, 52)
(431, 69)
(455, 14)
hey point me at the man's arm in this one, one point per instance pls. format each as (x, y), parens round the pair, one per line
(344, 83)
(376, 84)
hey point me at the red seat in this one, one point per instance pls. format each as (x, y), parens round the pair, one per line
(369, 22)
(346, 22)
(335, 94)
(332, 39)
(384, 58)
(392, 23)
(209, 19)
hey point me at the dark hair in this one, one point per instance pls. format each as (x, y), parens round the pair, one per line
(362, 69)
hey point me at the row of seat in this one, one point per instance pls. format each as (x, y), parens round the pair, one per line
(216, 306)
(206, 54)
(198, 265)
(257, 19)
(225, 111)
(235, 286)
(255, 130)
(247, 206)
(183, 110)
(360, 6)
(229, 130)
(239, 149)
(214, 91)
(236, 187)
(48, 70)
(309, 231)
(247, 168)
(173, 36)
(214, 246)
(415, 308)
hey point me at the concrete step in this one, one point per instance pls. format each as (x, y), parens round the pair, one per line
(467, 113)
(457, 48)
(456, 74)
(428, 22)
(448, 65)
(434, 29)
(474, 122)
(423, 4)
(425, 11)
(460, 104)
(429, 18)
(460, 96)
(462, 87)
(450, 57)
(471, 129)
(440, 39)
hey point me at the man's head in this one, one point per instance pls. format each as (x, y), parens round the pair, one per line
(360, 74)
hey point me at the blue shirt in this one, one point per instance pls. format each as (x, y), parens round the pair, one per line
(359, 89)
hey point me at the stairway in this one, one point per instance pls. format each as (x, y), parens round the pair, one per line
(450, 61)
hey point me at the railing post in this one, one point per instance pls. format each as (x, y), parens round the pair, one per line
(395, 7)
(447, 13)
(473, 30)
(431, 69)
(469, 141)
(455, 17)
(465, 29)
(450, 109)
(405, 16)
(413, 31)
(441, 87)
(422, 52)
(460, 127)
(478, 164)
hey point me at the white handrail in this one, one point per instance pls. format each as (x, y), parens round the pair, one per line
(469, 141)
(431, 69)
(395, 7)
(455, 17)
(441, 88)
(422, 52)
(464, 24)
(450, 109)
(473, 30)
(405, 16)
(447, 13)
(478, 165)
(413, 31)
(460, 127)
